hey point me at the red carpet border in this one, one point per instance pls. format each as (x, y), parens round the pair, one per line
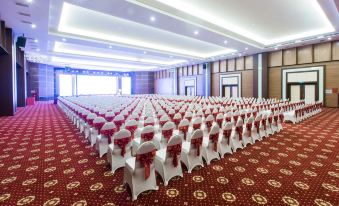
(45, 161)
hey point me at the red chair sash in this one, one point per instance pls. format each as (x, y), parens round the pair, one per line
(270, 120)
(243, 116)
(209, 124)
(239, 130)
(196, 126)
(146, 160)
(249, 129)
(264, 123)
(147, 136)
(257, 125)
(108, 133)
(118, 123)
(162, 122)
(228, 119)
(122, 144)
(276, 119)
(149, 123)
(227, 134)
(188, 118)
(214, 140)
(174, 151)
(171, 115)
(255, 114)
(132, 129)
(109, 119)
(281, 116)
(184, 129)
(98, 126)
(167, 133)
(176, 121)
(197, 144)
(219, 122)
(236, 118)
(90, 122)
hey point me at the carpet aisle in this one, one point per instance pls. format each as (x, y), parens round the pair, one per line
(45, 161)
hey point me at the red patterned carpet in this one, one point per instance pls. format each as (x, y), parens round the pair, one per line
(45, 161)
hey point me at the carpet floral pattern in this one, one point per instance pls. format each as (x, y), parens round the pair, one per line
(45, 161)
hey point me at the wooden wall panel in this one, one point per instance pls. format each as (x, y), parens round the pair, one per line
(290, 56)
(184, 73)
(215, 67)
(247, 83)
(223, 65)
(305, 54)
(240, 64)
(335, 50)
(274, 83)
(195, 69)
(231, 65)
(249, 62)
(215, 84)
(332, 81)
(275, 58)
(322, 52)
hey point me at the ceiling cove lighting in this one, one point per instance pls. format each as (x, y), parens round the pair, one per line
(99, 63)
(229, 24)
(59, 47)
(152, 19)
(33, 26)
(69, 23)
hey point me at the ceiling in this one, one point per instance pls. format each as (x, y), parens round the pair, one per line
(147, 35)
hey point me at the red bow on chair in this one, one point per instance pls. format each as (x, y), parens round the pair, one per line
(122, 144)
(228, 119)
(147, 136)
(236, 118)
(215, 115)
(243, 117)
(98, 126)
(108, 133)
(184, 129)
(196, 126)
(249, 129)
(257, 125)
(176, 121)
(162, 122)
(270, 120)
(264, 123)
(118, 123)
(239, 130)
(149, 123)
(219, 122)
(214, 140)
(197, 144)
(248, 115)
(90, 122)
(209, 124)
(281, 116)
(174, 150)
(227, 135)
(171, 115)
(109, 119)
(146, 160)
(167, 133)
(188, 118)
(132, 129)
(276, 119)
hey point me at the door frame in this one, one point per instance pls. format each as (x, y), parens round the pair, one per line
(302, 89)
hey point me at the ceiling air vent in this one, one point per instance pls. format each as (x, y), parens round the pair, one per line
(26, 22)
(24, 14)
(21, 4)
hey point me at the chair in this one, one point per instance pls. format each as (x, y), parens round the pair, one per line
(191, 155)
(210, 145)
(247, 132)
(209, 122)
(188, 116)
(139, 171)
(196, 123)
(274, 124)
(183, 128)
(109, 116)
(224, 146)
(149, 121)
(237, 136)
(167, 160)
(269, 130)
(119, 121)
(98, 122)
(147, 134)
(262, 130)
(88, 125)
(219, 119)
(176, 119)
(256, 128)
(131, 125)
(105, 138)
(163, 120)
(119, 150)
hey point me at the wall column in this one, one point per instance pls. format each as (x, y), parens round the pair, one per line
(207, 79)
(260, 77)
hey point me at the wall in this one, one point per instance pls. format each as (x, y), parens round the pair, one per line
(163, 82)
(143, 83)
(193, 71)
(326, 54)
(41, 79)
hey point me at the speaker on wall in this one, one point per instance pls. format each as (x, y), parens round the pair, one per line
(204, 66)
(21, 41)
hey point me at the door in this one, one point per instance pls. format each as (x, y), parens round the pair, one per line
(227, 91)
(295, 93)
(310, 93)
(235, 91)
(230, 91)
(190, 91)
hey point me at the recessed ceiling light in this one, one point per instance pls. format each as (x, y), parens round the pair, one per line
(63, 39)
(225, 42)
(33, 26)
(239, 55)
(196, 32)
(320, 37)
(246, 48)
(171, 56)
(233, 53)
(110, 46)
(329, 38)
(37, 50)
(29, 1)
(145, 52)
(152, 18)
(36, 40)
(276, 48)
(297, 41)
